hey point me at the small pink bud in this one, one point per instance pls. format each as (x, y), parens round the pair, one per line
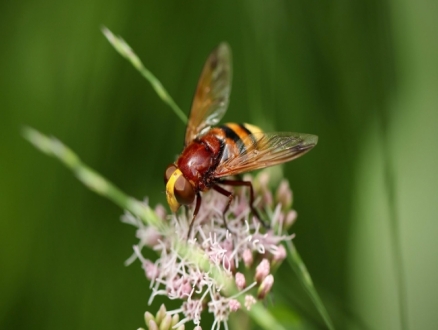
(280, 254)
(234, 305)
(240, 281)
(160, 210)
(198, 327)
(260, 183)
(263, 179)
(262, 270)
(284, 194)
(152, 325)
(249, 301)
(265, 287)
(291, 216)
(247, 258)
(148, 317)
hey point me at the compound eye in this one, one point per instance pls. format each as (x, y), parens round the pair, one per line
(184, 192)
(169, 170)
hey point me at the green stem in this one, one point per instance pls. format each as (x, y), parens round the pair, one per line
(126, 51)
(300, 269)
(89, 177)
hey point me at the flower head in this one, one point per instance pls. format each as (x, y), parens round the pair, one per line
(200, 270)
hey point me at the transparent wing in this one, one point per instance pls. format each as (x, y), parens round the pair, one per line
(260, 150)
(212, 93)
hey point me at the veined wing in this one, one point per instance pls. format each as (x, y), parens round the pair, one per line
(260, 150)
(212, 93)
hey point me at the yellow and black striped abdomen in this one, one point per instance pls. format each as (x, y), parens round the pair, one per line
(238, 138)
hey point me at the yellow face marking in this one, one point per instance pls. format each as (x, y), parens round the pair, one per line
(170, 195)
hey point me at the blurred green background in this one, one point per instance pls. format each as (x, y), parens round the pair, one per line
(363, 75)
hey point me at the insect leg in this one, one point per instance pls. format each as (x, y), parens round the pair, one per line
(195, 213)
(239, 183)
(230, 199)
(186, 210)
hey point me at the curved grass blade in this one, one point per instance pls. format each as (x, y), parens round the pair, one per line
(300, 269)
(94, 181)
(126, 51)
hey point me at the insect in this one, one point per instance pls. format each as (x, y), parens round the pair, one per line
(211, 154)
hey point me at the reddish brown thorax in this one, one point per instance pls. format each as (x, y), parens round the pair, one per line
(199, 159)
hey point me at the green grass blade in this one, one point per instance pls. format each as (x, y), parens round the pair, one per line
(126, 51)
(94, 181)
(300, 269)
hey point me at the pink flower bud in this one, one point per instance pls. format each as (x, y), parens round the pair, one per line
(284, 195)
(247, 258)
(263, 179)
(280, 254)
(265, 287)
(262, 270)
(160, 210)
(291, 216)
(152, 325)
(148, 317)
(240, 281)
(260, 183)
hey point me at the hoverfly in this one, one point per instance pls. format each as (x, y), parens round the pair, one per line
(212, 153)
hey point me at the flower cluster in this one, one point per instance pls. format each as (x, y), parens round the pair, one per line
(243, 251)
